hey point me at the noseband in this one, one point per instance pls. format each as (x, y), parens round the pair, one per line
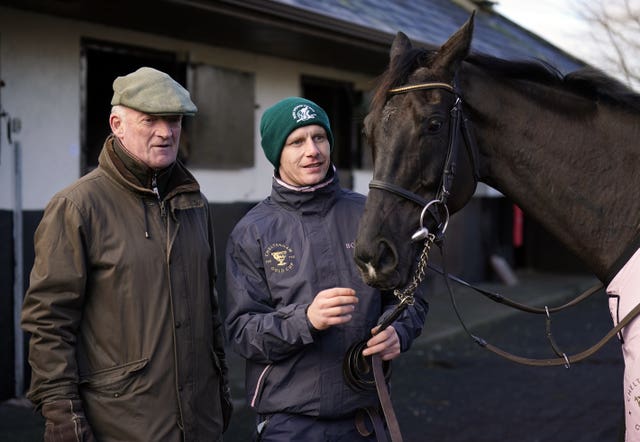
(458, 124)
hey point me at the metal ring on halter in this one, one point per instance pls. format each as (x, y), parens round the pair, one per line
(446, 221)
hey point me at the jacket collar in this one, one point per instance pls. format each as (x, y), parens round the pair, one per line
(136, 176)
(140, 171)
(308, 199)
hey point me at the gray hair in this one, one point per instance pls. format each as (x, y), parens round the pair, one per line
(117, 110)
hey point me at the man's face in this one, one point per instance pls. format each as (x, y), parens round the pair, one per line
(150, 138)
(304, 160)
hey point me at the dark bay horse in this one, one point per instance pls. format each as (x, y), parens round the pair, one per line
(565, 148)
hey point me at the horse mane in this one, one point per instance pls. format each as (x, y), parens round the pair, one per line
(588, 82)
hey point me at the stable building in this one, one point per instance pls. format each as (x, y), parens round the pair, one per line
(58, 60)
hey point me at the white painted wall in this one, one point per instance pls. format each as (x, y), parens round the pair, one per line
(40, 64)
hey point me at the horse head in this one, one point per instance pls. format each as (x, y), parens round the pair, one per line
(415, 134)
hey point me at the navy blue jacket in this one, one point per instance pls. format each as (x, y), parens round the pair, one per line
(284, 251)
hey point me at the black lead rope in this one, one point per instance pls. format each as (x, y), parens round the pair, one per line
(371, 372)
(358, 371)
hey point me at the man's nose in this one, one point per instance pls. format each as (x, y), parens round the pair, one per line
(164, 128)
(311, 147)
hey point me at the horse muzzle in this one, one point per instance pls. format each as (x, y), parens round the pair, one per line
(379, 264)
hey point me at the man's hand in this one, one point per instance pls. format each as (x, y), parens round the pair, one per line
(332, 307)
(385, 342)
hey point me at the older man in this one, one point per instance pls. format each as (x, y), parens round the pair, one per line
(126, 341)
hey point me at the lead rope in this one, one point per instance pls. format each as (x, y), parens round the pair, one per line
(372, 372)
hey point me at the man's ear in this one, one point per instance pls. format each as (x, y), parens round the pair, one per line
(116, 123)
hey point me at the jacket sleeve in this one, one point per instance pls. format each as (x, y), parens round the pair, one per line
(52, 307)
(410, 323)
(257, 328)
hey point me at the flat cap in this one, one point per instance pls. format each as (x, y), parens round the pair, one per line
(152, 92)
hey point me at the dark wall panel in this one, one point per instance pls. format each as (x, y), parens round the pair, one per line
(6, 305)
(225, 217)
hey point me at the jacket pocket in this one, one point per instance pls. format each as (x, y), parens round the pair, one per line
(113, 379)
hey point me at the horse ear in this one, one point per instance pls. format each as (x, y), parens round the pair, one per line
(454, 50)
(400, 45)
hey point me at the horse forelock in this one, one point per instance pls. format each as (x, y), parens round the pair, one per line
(397, 74)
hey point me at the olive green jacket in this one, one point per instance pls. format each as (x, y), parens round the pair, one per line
(122, 310)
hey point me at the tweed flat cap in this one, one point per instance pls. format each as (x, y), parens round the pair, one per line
(152, 92)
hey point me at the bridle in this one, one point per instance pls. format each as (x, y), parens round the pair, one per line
(437, 207)
(370, 373)
(459, 125)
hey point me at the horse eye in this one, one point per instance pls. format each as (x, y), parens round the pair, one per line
(434, 125)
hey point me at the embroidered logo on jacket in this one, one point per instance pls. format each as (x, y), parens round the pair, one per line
(279, 258)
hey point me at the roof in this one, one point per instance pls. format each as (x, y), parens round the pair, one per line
(346, 34)
(431, 22)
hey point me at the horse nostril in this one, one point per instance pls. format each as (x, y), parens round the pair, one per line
(387, 257)
(377, 261)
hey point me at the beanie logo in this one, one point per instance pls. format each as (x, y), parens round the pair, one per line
(303, 112)
(279, 258)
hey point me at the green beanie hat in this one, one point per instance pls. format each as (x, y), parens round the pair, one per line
(284, 117)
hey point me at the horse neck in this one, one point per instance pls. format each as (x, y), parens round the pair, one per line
(567, 162)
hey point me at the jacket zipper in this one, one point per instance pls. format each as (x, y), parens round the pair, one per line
(163, 214)
(154, 187)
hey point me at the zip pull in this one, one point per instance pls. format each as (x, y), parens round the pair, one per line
(154, 187)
